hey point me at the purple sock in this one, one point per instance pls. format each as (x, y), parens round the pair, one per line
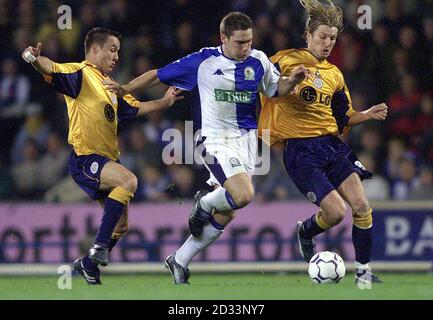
(362, 242)
(112, 212)
(310, 228)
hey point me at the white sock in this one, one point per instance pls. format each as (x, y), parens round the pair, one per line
(362, 266)
(192, 246)
(215, 200)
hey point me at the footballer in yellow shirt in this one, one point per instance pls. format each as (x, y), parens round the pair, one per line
(94, 113)
(309, 122)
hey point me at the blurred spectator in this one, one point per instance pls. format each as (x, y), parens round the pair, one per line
(53, 164)
(152, 184)
(155, 126)
(6, 26)
(26, 173)
(423, 186)
(424, 7)
(376, 188)
(182, 182)
(280, 40)
(402, 105)
(142, 152)
(396, 149)
(403, 185)
(275, 185)
(14, 94)
(371, 141)
(394, 17)
(379, 62)
(428, 32)
(26, 17)
(22, 37)
(14, 90)
(185, 40)
(66, 191)
(34, 127)
(419, 59)
(423, 121)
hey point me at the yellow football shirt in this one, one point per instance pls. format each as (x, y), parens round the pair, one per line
(93, 111)
(321, 105)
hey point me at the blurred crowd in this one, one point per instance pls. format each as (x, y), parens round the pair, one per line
(392, 63)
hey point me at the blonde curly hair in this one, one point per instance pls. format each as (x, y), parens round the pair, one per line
(318, 13)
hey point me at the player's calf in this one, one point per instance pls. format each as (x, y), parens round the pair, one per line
(242, 198)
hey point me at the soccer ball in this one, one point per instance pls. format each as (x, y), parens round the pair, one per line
(326, 267)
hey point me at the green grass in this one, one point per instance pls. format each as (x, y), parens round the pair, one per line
(219, 287)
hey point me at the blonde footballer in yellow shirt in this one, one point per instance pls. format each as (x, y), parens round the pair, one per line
(94, 113)
(309, 122)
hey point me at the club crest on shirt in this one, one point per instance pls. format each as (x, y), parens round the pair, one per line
(249, 73)
(318, 82)
(311, 196)
(94, 167)
(234, 162)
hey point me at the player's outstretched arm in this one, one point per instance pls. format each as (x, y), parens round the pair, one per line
(33, 55)
(146, 80)
(376, 112)
(171, 96)
(288, 84)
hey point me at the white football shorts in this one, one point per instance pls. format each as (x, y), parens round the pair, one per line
(225, 157)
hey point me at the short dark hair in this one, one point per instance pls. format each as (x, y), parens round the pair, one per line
(235, 21)
(99, 35)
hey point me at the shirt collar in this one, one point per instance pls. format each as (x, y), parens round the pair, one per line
(87, 63)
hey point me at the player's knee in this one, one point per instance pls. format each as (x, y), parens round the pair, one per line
(360, 206)
(130, 183)
(243, 197)
(336, 215)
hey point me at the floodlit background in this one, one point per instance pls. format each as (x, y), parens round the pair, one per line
(46, 218)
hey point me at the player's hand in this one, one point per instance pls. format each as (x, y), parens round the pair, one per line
(115, 87)
(378, 111)
(35, 51)
(299, 74)
(172, 95)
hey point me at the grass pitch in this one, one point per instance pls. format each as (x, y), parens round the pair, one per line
(417, 286)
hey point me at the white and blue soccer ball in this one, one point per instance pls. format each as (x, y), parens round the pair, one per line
(326, 267)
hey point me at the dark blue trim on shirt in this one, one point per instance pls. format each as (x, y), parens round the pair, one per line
(125, 111)
(246, 113)
(68, 83)
(196, 109)
(339, 106)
